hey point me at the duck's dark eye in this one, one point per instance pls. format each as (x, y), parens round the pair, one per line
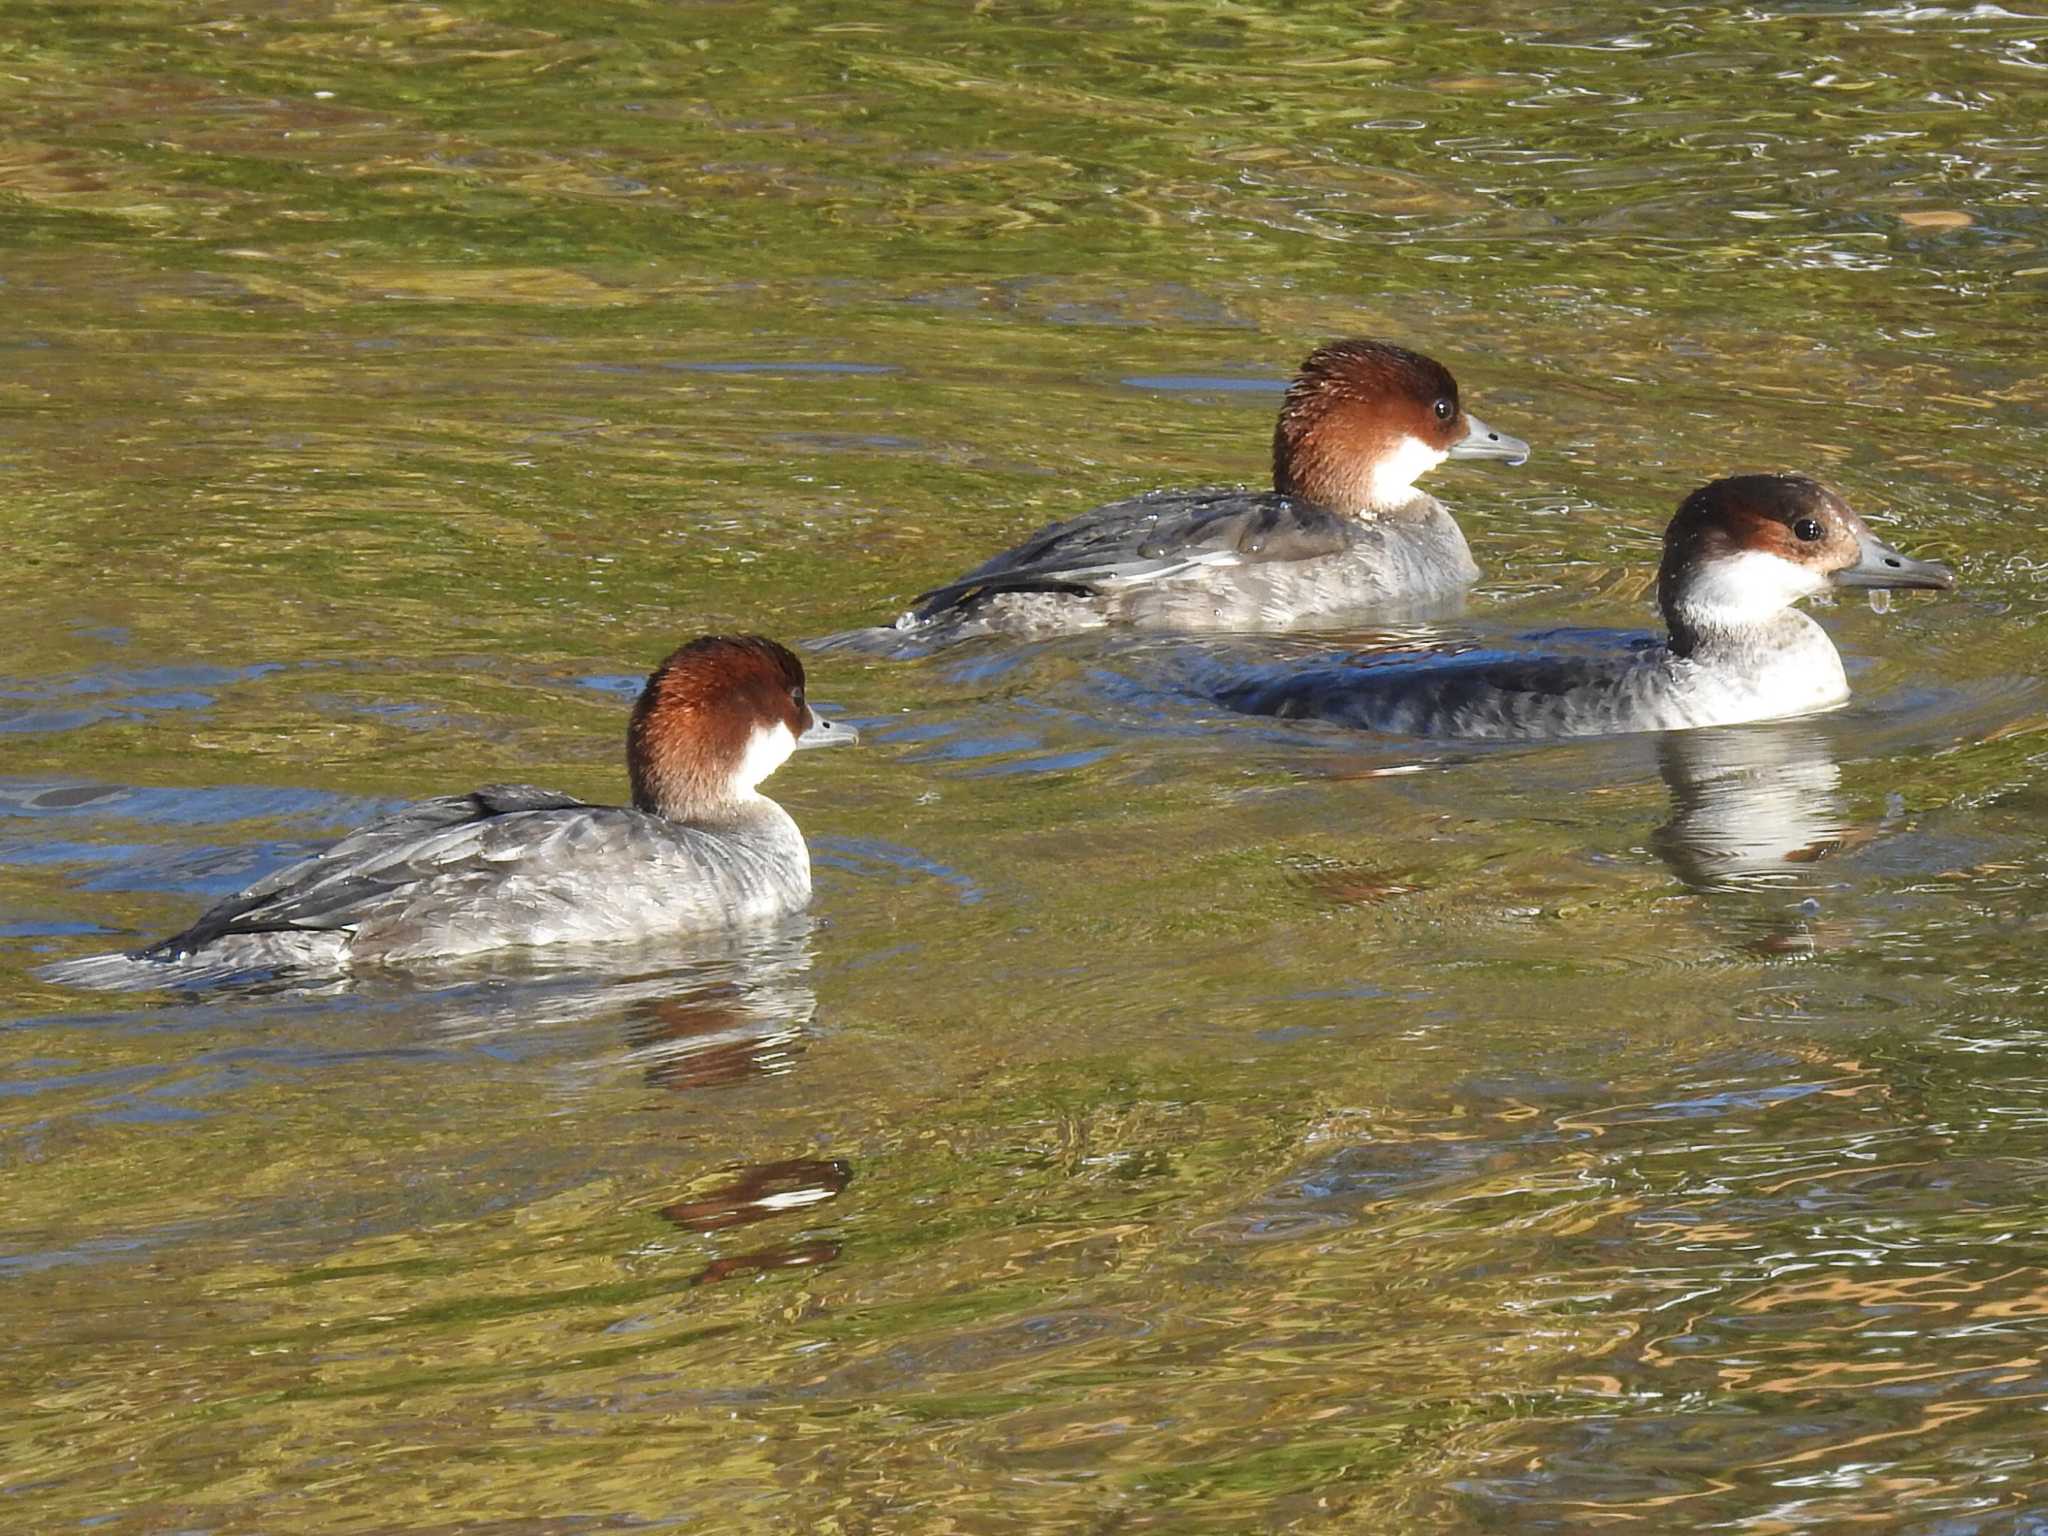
(1807, 530)
(1445, 410)
(796, 695)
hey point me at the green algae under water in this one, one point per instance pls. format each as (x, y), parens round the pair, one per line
(1164, 1121)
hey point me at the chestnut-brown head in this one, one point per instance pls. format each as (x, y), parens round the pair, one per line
(715, 719)
(1745, 548)
(1363, 420)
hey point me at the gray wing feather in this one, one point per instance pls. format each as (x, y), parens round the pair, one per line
(334, 888)
(1473, 696)
(1150, 538)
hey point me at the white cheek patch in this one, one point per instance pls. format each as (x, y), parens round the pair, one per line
(1394, 474)
(1740, 590)
(767, 750)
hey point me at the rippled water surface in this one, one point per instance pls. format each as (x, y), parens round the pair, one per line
(1165, 1120)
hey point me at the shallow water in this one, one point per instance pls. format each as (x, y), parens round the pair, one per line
(1165, 1120)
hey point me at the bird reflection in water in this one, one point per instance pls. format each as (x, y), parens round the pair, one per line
(726, 1011)
(758, 1192)
(716, 1034)
(670, 998)
(740, 1011)
(1750, 804)
(1753, 809)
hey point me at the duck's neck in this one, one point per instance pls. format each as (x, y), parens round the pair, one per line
(1411, 506)
(1782, 665)
(1717, 637)
(741, 813)
(1381, 487)
(1405, 504)
(1736, 602)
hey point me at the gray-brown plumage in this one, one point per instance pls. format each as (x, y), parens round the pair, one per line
(513, 864)
(1343, 529)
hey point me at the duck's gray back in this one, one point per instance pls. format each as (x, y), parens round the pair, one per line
(506, 866)
(1788, 667)
(1225, 559)
(592, 874)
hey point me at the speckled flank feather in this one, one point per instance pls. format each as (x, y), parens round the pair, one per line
(1788, 668)
(1252, 562)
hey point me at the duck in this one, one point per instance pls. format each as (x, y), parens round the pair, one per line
(1343, 529)
(515, 865)
(1738, 556)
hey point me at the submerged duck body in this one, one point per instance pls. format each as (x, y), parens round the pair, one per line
(515, 865)
(1737, 555)
(1343, 528)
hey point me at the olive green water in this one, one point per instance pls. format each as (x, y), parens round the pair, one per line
(1164, 1121)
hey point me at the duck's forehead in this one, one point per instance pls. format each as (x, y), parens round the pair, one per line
(1751, 521)
(1431, 377)
(1754, 505)
(1810, 496)
(1800, 496)
(1836, 516)
(760, 657)
(1839, 508)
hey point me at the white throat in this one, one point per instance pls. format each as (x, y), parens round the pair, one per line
(1393, 476)
(1743, 591)
(767, 750)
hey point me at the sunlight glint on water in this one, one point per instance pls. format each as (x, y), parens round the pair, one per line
(1165, 1120)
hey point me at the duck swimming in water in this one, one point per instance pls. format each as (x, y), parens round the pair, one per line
(511, 864)
(1343, 528)
(1737, 556)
